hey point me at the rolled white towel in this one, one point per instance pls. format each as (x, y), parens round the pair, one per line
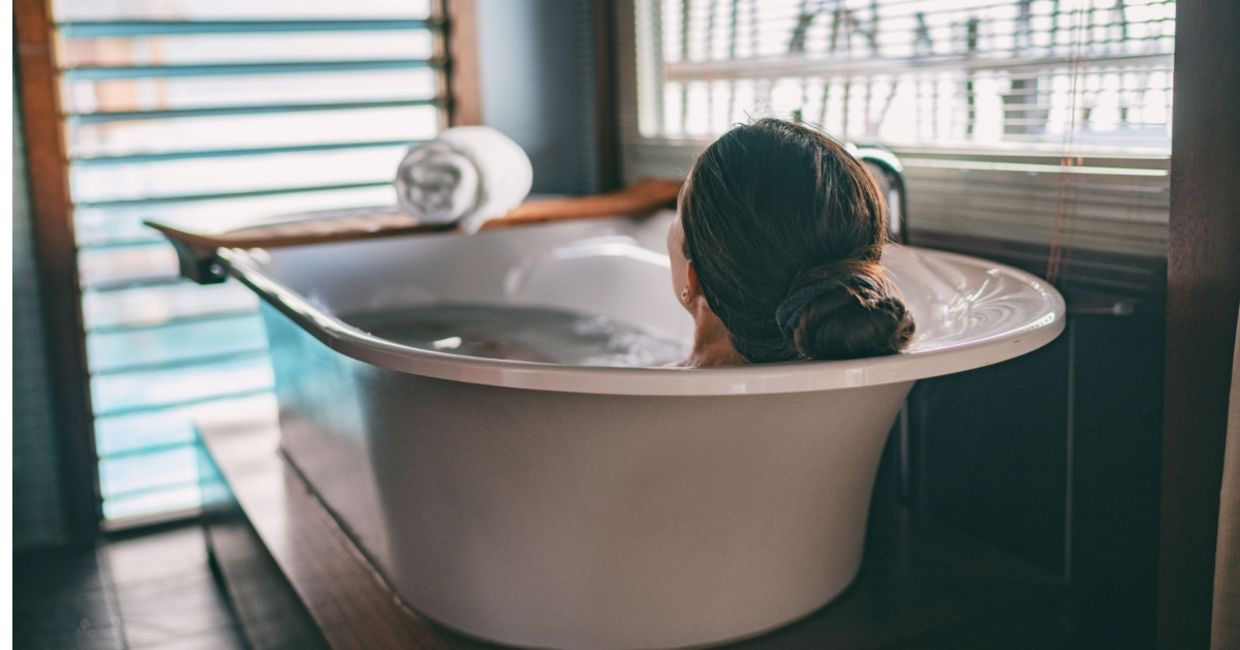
(466, 175)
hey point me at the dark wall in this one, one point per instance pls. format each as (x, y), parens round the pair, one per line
(536, 70)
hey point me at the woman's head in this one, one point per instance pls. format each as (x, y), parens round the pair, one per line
(782, 234)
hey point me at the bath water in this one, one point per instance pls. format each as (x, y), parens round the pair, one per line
(522, 333)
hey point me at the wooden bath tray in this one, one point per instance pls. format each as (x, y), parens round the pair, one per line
(297, 580)
(196, 246)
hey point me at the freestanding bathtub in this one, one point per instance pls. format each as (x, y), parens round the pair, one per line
(595, 507)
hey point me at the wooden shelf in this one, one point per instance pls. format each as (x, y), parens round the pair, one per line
(296, 579)
(196, 244)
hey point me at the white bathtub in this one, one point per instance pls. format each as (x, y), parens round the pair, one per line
(582, 507)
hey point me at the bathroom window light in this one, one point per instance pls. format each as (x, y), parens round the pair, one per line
(960, 89)
(204, 111)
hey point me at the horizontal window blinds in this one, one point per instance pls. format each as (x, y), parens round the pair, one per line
(213, 111)
(971, 93)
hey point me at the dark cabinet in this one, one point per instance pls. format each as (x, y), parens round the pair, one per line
(1054, 458)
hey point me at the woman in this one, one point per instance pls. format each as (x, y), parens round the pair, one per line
(776, 251)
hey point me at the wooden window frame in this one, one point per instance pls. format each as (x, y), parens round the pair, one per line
(458, 44)
(1203, 290)
(56, 260)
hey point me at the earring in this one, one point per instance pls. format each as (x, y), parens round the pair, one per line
(684, 295)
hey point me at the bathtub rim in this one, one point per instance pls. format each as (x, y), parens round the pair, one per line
(758, 379)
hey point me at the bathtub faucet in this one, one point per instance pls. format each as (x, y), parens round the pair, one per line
(889, 173)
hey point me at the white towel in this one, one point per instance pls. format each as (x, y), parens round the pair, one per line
(467, 175)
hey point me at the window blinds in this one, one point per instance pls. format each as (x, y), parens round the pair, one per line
(996, 106)
(213, 111)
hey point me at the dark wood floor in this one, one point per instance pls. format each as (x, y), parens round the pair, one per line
(151, 591)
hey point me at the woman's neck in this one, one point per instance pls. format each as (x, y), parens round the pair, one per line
(712, 343)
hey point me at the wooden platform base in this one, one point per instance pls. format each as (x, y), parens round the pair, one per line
(298, 581)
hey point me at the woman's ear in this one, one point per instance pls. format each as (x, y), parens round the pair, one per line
(691, 280)
(693, 287)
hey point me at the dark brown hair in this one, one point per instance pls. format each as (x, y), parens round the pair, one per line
(785, 229)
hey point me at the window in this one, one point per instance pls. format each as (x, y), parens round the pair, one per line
(1032, 120)
(214, 111)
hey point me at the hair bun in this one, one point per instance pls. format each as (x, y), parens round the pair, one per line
(844, 310)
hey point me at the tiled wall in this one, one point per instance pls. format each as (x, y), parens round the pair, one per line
(38, 517)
